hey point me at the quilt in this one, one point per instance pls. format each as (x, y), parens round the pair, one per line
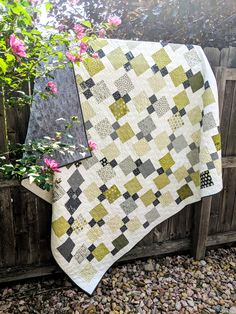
(152, 109)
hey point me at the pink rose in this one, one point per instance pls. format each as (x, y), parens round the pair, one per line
(73, 58)
(102, 33)
(83, 47)
(52, 164)
(52, 87)
(95, 55)
(80, 30)
(92, 145)
(17, 46)
(114, 20)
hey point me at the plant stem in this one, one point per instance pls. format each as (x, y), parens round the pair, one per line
(5, 147)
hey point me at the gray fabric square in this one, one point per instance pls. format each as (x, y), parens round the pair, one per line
(193, 157)
(208, 122)
(179, 143)
(210, 165)
(66, 248)
(124, 85)
(104, 128)
(161, 106)
(146, 125)
(128, 206)
(100, 91)
(106, 173)
(81, 253)
(89, 162)
(75, 180)
(146, 168)
(127, 165)
(152, 215)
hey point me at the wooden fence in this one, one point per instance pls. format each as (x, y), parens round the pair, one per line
(25, 219)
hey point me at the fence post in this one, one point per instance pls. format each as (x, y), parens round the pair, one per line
(201, 222)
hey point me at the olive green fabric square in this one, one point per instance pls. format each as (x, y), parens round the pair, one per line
(93, 66)
(92, 191)
(98, 212)
(120, 242)
(119, 108)
(166, 199)
(148, 197)
(110, 151)
(141, 101)
(139, 64)
(100, 252)
(217, 141)
(184, 192)
(133, 186)
(161, 181)
(195, 115)
(161, 58)
(196, 81)
(162, 140)
(134, 224)
(181, 100)
(195, 176)
(208, 97)
(98, 44)
(181, 173)
(117, 58)
(178, 76)
(125, 132)
(60, 226)
(141, 147)
(112, 194)
(156, 82)
(167, 161)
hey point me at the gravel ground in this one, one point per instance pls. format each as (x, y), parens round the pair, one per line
(163, 285)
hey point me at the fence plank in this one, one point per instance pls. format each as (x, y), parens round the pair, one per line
(201, 224)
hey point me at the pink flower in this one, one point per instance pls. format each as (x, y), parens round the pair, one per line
(102, 33)
(52, 87)
(83, 47)
(17, 46)
(73, 58)
(95, 55)
(52, 164)
(92, 145)
(80, 30)
(114, 20)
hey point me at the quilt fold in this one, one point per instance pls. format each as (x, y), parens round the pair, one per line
(152, 109)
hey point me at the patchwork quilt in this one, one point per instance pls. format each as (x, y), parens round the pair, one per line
(152, 108)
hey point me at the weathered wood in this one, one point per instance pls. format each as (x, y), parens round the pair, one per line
(26, 220)
(213, 56)
(200, 228)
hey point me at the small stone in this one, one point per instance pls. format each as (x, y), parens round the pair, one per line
(202, 263)
(149, 267)
(190, 303)
(178, 306)
(232, 310)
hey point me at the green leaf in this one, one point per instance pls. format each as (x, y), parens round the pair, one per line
(48, 6)
(3, 66)
(87, 23)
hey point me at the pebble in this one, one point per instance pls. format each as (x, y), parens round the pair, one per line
(176, 285)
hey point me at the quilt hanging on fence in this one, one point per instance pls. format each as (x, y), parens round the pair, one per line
(152, 108)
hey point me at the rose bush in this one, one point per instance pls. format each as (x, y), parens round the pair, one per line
(24, 46)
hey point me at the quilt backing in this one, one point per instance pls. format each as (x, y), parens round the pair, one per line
(152, 108)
